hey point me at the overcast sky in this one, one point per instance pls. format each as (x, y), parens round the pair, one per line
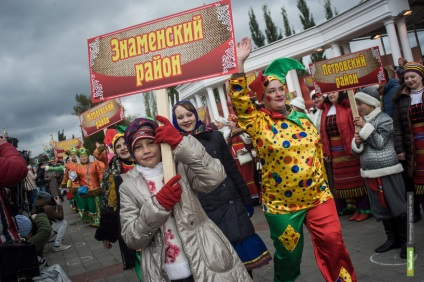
(44, 60)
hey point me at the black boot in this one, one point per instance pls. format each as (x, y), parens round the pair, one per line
(392, 241)
(401, 222)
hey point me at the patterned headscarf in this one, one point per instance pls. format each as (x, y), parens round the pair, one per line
(138, 129)
(414, 67)
(200, 126)
(277, 70)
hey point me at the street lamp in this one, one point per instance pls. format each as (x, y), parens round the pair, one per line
(405, 13)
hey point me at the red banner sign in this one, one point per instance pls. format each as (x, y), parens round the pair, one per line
(188, 46)
(62, 147)
(350, 71)
(101, 116)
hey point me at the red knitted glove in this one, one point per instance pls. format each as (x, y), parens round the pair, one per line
(170, 194)
(167, 133)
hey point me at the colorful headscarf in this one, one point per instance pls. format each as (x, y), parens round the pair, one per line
(138, 129)
(200, 126)
(277, 70)
(414, 67)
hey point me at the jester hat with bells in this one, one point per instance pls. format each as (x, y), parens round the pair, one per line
(277, 70)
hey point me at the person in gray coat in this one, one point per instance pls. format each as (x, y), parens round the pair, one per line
(164, 219)
(380, 167)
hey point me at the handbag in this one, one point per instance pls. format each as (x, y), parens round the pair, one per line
(244, 158)
(18, 260)
(83, 190)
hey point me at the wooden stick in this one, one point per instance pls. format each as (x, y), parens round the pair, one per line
(353, 107)
(167, 155)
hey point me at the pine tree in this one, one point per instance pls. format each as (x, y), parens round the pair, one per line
(173, 95)
(327, 9)
(271, 31)
(257, 35)
(318, 56)
(306, 17)
(61, 135)
(146, 97)
(287, 29)
(150, 104)
(308, 21)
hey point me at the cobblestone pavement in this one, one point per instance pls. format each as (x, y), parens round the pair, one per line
(88, 260)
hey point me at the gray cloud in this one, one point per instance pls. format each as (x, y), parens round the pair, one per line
(44, 61)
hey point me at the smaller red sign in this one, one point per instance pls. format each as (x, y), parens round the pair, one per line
(350, 71)
(62, 147)
(101, 116)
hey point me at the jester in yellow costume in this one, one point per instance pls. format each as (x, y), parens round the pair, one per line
(294, 182)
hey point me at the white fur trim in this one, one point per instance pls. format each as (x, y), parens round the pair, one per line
(381, 171)
(367, 99)
(373, 114)
(366, 131)
(355, 149)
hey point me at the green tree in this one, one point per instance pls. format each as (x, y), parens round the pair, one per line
(173, 95)
(271, 30)
(257, 35)
(287, 29)
(306, 17)
(61, 135)
(318, 56)
(42, 158)
(150, 104)
(84, 103)
(327, 8)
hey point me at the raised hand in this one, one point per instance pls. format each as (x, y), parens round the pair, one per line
(244, 48)
(167, 133)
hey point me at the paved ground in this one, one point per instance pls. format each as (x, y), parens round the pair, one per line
(88, 260)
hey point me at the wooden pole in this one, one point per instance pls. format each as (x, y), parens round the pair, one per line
(353, 107)
(167, 156)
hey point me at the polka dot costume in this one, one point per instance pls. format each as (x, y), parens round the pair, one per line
(290, 150)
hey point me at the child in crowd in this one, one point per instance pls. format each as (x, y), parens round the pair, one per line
(381, 169)
(164, 218)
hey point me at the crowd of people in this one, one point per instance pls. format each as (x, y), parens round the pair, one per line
(303, 167)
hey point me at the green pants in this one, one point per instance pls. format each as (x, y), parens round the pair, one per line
(287, 235)
(138, 266)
